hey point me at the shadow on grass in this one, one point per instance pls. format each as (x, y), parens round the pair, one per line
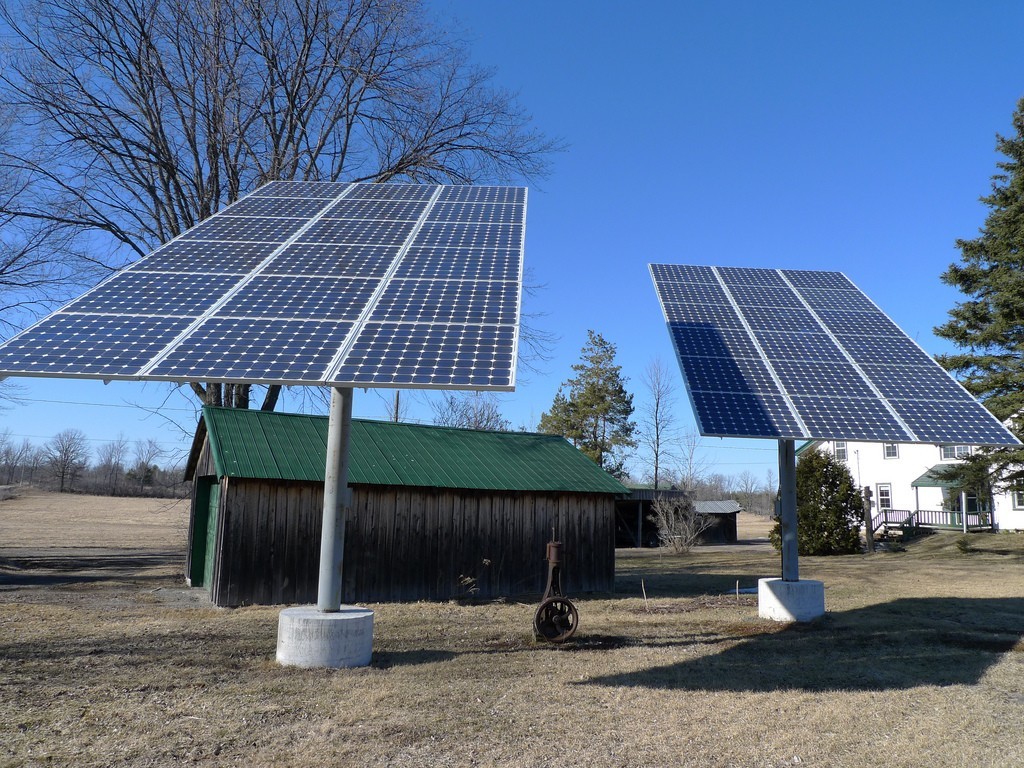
(896, 645)
(388, 659)
(71, 567)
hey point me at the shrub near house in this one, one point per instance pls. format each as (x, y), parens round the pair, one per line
(828, 507)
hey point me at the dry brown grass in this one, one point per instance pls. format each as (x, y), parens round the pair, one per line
(919, 662)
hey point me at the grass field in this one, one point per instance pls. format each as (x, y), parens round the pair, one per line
(106, 659)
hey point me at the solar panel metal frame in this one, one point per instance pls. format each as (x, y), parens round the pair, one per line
(352, 237)
(805, 354)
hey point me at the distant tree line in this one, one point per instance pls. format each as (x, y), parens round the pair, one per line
(67, 464)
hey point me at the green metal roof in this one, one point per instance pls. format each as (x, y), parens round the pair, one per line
(262, 444)
(932, 478)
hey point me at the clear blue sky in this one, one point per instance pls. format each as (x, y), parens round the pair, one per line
(855, 137)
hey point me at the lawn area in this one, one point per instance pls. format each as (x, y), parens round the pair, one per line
(106, 659)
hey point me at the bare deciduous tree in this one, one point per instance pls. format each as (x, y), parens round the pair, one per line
(110, 460)
(469, 410)
(679, 525)
(693, 465)
(658, 432)
(67, 454)
(143, 467)
(139, 118)
(14, 456)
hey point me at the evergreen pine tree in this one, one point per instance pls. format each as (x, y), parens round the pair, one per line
(989, 324)
(828, 507)
(596, 414)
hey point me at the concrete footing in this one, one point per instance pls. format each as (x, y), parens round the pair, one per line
(780, 600)
(308, 637)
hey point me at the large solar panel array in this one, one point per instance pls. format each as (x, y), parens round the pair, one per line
(805, 354)
(308, 283)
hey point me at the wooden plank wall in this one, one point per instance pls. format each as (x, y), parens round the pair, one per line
(409, 543)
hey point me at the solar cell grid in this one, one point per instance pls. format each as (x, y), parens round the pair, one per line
(854, 418)
(694, 293)
(257, 230)
(426, 355)
(333, 259)
(878, 349)
(323, 190)
(818, 279)
(666, 274)
(493, 264)
(391, 192)
(483, 194)
(357, 232)
(205, 256)
(814, 377)
(300, 297)
(701, 341)
(927, 382)
(756, 295)
(930, 421)
(781, 319)
(455, 301)
(712, 315)
(785, 345)
(812, 358)
(147, 293)
(242, 349)
(851, 301)
(97, 346)
(472, 235)
(276, 207)
(749, 415)
(490, 213)
(859, 323)
(728, 374)
(385, 210)
(747, 276)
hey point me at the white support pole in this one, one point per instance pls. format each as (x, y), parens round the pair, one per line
(787, 511)
(789, 598)
(337, 500)
(329, 634)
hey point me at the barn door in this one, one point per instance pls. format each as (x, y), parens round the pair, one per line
(211, 537)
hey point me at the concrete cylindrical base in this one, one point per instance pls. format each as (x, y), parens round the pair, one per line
(780, 600)
(308, 637)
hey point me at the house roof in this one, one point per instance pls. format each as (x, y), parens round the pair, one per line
(649, 494)
(933, 478)
(723, 507)
(262, 444)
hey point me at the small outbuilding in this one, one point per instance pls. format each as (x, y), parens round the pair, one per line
(437, 513)
(634, 521)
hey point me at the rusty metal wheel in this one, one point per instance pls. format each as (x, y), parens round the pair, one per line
(556, 619)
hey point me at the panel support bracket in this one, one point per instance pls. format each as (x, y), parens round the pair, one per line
(787, 510)
(337, 500)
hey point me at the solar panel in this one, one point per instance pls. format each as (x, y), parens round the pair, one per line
(804, 354)
(308, 283)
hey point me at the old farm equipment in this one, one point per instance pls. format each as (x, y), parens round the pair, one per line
(556, 618)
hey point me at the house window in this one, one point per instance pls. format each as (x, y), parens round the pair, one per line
(891, 450)
(955, 451)
(884, 496)
(841, 450)
(1018, 499)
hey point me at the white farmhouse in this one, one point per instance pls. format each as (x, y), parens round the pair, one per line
(902, 480)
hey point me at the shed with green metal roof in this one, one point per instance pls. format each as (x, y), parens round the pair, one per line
(437, 512)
